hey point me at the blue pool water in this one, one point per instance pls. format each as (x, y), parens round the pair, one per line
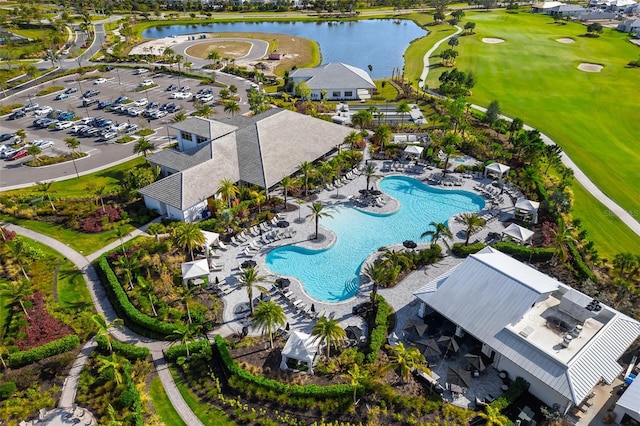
(332, 274)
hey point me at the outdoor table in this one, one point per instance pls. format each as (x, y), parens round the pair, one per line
(282, 224)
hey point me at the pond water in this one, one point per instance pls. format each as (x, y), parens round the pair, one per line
(377, 42)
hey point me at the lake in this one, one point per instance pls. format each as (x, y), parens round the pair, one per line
(377, 42)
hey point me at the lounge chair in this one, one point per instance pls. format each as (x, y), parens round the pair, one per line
(248, 252)
(330, 187)
(222, 246)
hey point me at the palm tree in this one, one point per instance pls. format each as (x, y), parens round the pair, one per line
(143, 146)
(449, 150)
(99, 192)
(493, 417)
(232, 107)
(625, 261)
(34, 151)
(184, 335)
(356, 377)
(561, 236)
(353, 138)
(362, 118)
(404, 360)
(318, 212)
(112, 363)
(73, 144)
(228, 190)
(453, 41)
(306, 169)
(16, 293)
(440, 231)
(113, 420)
(382, 135)
(402, 109)
(22, 135)
(179, 116)
(370, 172)
(186, 297)
(259, 197)
(329, 332)
(147, 288)
(129, 265)
(45, 188)
(250, 278)
(121, 233)
(288, 183)
(472, 224)
(213, 56)
(188, 236)
(379, 275)
(300, 203)
(21, 253)
(104, 327)
(269, 315)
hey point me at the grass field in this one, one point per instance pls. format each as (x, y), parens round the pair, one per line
(593, 116)
(162, 405)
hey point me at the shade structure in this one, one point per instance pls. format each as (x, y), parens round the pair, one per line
(459, 377)
(409, 244)
(497, 169)
(283, 282)
(428, 348)
(353, 332)
(210, 238)
(518, 233)
(248, 264)
(475, 361)
(414, 330)
(195, 269)
(282, 224)
(414, 150)
(300, 347)
(527, 209)
(449, 344)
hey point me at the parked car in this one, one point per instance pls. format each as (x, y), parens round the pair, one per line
(108, 67)
(6, 137)
(66, 115)
(119, 128)
(61, 96)
(89, 102)
(30, 107)
(181, 95)
(63, 125)
(140, 71)
(43, 110)
(206, 98)
(16, 114)
(104, 104)
(121, 100)
(43, 144)
(171, 87)
(8, 152)
(184, 89)
(70, 90)
(135, 112)
(21, 153)
(100, 81)
(152, 105)
(158, 114)
(131, 128)
(90, 93)
(109, 135)
(140, 102)
(147, 82)
(173, 108)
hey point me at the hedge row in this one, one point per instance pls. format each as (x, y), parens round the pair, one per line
(133, 318)
(136, 404)
(380, 326)
(62, 345)
(125, 349)
(461, 250)
(177, 351)
(296, 391)
(581, 268)
(517, 388)
(525, 253)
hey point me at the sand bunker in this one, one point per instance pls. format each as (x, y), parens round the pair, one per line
(566, 40)
(590, 67)
(492, 40)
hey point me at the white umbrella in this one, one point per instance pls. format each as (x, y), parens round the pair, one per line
(414, 150)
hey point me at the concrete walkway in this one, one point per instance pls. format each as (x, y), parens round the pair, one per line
(70, 386)
(427, 56)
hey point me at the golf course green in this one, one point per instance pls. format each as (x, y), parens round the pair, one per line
(593, 116)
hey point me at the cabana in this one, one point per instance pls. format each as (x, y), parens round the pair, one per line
(517, 233)
(300, 348)
(497, 169)
(195, 270)
(414, 150)
(527, 210)
(210, 238)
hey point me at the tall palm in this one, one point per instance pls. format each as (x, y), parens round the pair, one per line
(147, 288)
(317, 212)
(184, 335)
(402, 109)
(624, 262)
(353, 138)
(104, 327)
(73, 144)
(493, 417)
(306, 169)
(561, 237)
(472, 224)
(362, 118)
(121, 233)
(112, 363)
(22, 254)
(188, 236)
(231, 107)
(250, 279)
(300, 203)
(269, 315)
(370, 172)
(129, 266)
(113, 420)
(16, 293)
(394, 258)
(143, 146)
(259, 197)
(228, 190)
(288, 183)
(356, 377)
(379, 275)
(403, 360)
(382, 135)
(439, 231)
(45, 188)
(329, 332)
(187, 295)
(449, 150)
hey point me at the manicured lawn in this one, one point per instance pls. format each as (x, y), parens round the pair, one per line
(593, 116)
(162, 405)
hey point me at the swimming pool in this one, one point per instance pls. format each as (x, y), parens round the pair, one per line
(332, 274)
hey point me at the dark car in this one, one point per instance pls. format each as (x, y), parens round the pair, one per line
(108, 67)
(17, 114)
(6, 136)
(171, 87)
(173, 108)
(152, 105)
(70, 90)
(104, 104)
(89, 102)
(90, 93)
(131, 128)
(120, 100)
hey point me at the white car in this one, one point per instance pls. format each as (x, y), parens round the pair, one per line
(206, 98)
(159, 114)
(43, 144)
(181, 95)
(135, 112)
(43, 110)
(140, 102)
(63, 125)
(147, 82)
(141, 71)
(99, 81)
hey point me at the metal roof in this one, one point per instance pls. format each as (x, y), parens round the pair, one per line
(335, 75)
(630, 399)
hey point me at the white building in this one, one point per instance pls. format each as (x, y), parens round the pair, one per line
(340, 81)
(533, 326)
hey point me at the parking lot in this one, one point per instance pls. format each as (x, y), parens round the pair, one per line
(141, 110)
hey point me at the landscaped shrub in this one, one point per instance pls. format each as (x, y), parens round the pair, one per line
(125, 349)
(379, 332)
(517, 388)
(177, 351)
(133, 318)
(99, 218)
(580, 267)
(461, 250)
(65, 344)
(42, 327)
(132, 395)
(7, 390)
(540, 254)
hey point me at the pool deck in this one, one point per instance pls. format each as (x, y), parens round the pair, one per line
(401, 297)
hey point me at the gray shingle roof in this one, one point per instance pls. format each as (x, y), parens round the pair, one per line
(180, 161)
(209, 129)
(167, 190)
(335, 75)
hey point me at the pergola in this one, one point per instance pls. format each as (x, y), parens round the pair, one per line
(195, 269)
(414, 150)
(527, 210)
(299, 347)
(210, 238)
(518, 233)
(497, 169)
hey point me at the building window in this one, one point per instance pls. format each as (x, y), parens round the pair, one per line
(348, 94)
(335, 94)
(185, 135)
(201, 139)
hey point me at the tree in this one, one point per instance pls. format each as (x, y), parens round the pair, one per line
(458, 14)
(269, 315)
(625, 261)
(453, 41)
(439, 231)
(370, 172)
(594, 29)
(356, 378)
(362, 118)
(448, 57)
(469, 27)
(402, 109)
(493, 417)
(213, 56)
(353, 138)
(317, 212)
(382, 135)
(472, 224)
(186, 295)
(147, 288)
(449, 150)
(73, 144)
(306, 168)
(188, 236)
(455, 109)
(15, 293)
(121, 233)
(23, 253)
(204, 110)
(185, 335)
(438, 16)
(34, 151)
(129, 265)
(404, 360)
(143, 146)
(22, 135)
(231, 107)
(179, 116)
(288, 183)
(493, 112)
(379, 275)
(302, 90)
(329, 332)
(258, 101)
(250, 279)
(45, 188)
(228, 190)
(561, 237)
(515, 126)
(111, 363)
(104, 327)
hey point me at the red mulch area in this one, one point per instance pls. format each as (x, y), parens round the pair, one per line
(42, 327)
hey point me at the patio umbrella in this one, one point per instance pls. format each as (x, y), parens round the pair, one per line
(415, 329)
(475, 361)
(354, 332)
(313, 307)
(457, 376)
(283, 282)
(287, 327)
(449, 343)
(282, 224)
(428, 347)
(409, 244)
(248, 264)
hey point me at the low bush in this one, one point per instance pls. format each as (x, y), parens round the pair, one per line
(380, 326)
(45, 160)
(143, 88)
(580, 267)
(131, 396)
(517, 388)
(65, 344)
(177, 351)
(145, 132)
(7, 390)
(127, 350)
(125, 139)
(525, 253)
(461, 250)
(7, 109)
(48, 90)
